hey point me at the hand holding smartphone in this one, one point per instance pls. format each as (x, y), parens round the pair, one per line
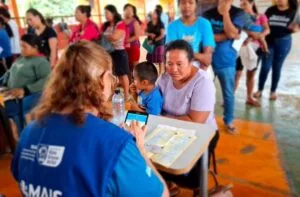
(140, 117)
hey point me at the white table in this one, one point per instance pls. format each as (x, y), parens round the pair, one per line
(198, 149)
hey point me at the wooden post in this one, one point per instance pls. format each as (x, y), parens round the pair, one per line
(16, 12)
(98, 9)
(145, 9)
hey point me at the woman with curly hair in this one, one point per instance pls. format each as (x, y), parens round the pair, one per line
(72, 143)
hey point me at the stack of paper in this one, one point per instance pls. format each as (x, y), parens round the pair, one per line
(165, 144)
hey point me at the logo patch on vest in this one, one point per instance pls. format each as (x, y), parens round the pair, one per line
(45, 155)
(50, 156)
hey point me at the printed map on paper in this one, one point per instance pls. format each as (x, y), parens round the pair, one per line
(165, 144)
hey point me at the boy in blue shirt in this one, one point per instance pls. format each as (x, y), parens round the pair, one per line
(148, 96)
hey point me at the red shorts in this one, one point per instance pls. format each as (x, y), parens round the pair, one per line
(133, 55)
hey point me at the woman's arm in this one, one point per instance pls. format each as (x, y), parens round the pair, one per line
(137, 33)
(165, 191)
(117, 35)
(193, 116)
(53, 51)
(294, 27)
(220, 37)
(139, 133)
(266, 30)
(205, 58)
(161, 36)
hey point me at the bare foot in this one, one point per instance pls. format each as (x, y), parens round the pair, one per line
(257, 94)
(273, 96)
(253, 102)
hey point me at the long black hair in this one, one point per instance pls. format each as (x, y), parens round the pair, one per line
(34, 41)
(85, 9)
(293, 4)
(35, 12)
(134, 12)
(116, 15)
(158, 13)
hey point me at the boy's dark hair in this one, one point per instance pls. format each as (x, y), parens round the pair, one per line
(146, 71)
(159, 8)
(181, 45)
(33, 40)
(4, 12)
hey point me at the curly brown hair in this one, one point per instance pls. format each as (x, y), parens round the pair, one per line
(76, 83)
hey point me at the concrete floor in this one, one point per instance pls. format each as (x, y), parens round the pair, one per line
(259, 173)
(283, 115)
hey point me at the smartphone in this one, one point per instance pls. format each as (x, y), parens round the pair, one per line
(140, 117)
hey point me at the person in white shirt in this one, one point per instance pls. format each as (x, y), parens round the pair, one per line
(15, 40)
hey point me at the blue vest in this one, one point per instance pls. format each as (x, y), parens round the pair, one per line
(58, 158)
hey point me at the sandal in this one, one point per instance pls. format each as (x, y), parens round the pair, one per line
(231, 129)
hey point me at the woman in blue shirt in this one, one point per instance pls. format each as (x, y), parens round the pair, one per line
(71, 149)
(195, 30)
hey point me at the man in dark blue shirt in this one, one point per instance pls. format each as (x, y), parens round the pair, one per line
(227, 22)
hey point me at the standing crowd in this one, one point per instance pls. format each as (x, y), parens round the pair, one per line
(70, 94)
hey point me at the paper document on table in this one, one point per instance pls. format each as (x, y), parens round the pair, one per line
(165, 144)
(237, 44)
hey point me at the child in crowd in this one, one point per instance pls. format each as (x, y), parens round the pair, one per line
(148, 96)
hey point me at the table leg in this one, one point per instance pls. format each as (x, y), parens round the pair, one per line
(204, 175)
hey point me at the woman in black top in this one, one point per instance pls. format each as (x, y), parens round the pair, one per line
(156, 36)
(46, 34)
(279, 41)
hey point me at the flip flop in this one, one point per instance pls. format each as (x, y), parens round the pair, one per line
(231, 129)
